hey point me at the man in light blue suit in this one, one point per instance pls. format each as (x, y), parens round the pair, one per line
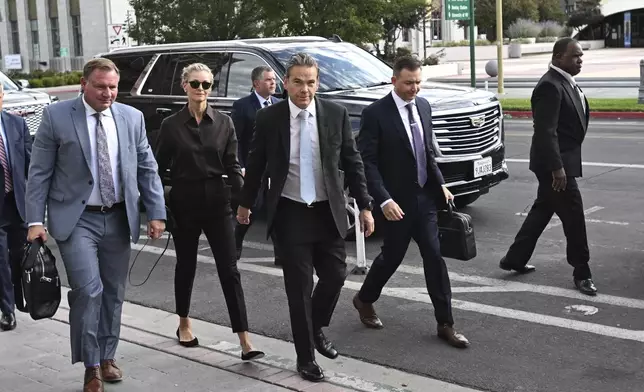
(90, 165)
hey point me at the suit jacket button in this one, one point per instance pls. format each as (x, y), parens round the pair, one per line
(90, 182)
(83, 201)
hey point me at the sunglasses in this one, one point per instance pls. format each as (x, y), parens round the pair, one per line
(195, 84)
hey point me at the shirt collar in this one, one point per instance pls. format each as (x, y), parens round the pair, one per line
(401, 103)
(90, 110)
(262, 99)
(295, 111)
(565, 74)
(187, 116)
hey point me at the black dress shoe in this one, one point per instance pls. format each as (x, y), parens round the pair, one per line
(252, 355)
(8, 322)
(310, 371)
(522, 269)
(324, 346)
(586, 286)
(192, 343)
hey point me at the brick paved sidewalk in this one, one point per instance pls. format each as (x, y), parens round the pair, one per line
(35, 357)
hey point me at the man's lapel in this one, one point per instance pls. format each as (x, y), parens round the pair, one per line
(284, 128)
(398, 124)
(323, 128)
(122, 132)
(79, 119)
(255, 101)
(8, 124)
(576, 99)
(425, 119)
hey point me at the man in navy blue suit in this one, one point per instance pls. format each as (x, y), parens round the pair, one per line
(243, 115)
(15, 153)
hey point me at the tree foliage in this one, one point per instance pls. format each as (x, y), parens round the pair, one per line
(550, 10)
(167, 21)
(485, 14)
(587, 12)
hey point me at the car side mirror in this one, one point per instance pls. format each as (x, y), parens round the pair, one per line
(23, 83)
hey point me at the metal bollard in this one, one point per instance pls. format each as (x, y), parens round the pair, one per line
(640, 96)
(361, 258)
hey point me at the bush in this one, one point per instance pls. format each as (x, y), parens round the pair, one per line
(35, 83)
(551, 29)
(450, 44)
(542, 40)
(523, 28)
(434, 58)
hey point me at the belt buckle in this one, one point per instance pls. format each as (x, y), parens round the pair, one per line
(309, 205)
(103, 209)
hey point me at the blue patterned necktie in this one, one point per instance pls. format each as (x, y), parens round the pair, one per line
(105, 179)
(419, 147)
(307, 177)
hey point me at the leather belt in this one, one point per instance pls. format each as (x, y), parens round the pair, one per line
(105, 209)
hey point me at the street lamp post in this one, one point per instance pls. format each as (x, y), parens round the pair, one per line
(499, 44)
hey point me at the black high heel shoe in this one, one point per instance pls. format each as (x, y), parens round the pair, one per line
(193, 343)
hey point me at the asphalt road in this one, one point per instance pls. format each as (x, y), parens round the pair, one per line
(531, 333)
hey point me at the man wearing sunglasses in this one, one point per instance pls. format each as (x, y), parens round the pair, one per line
(243, 115)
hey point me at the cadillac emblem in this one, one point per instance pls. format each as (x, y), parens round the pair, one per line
(477, 121)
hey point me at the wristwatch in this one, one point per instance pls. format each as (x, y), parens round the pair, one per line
(369, 206)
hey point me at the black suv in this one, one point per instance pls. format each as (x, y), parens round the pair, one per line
(468, 123)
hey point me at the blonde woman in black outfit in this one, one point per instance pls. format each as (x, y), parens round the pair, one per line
(200, 145)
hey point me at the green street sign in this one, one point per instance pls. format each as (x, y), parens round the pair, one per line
(457, 10)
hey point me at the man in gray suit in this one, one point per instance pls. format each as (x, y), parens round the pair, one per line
(90, 159)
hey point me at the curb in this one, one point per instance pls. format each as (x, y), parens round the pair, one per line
(609, 115)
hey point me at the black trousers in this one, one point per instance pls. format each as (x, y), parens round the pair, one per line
(13, 236)
(308, 239)
(420, 223)
(198, 209)
(569, 208)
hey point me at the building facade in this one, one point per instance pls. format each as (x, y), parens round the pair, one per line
(59, 34)
(622, 26)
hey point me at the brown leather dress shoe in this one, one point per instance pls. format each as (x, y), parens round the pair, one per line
(367, 314)
(447, 333)
(111, 372)
(93, 380)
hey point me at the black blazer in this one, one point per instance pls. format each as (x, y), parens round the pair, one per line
(390, 164)
(243, 115)
(19, 145)
(270, 150)
(560, 125)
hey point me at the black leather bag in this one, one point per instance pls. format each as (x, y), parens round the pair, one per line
(40, 281)
(456, 234)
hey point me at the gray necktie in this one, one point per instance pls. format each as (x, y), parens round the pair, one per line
(105, 179)
(419, 148)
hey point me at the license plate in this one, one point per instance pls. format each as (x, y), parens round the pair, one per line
(482, 167)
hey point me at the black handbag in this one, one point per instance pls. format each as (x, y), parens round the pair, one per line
(40, 281)
(456, 234)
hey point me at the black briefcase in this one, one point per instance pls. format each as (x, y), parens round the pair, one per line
(40, 281)
(456, 234)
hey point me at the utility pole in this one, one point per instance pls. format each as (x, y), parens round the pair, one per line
(473, 45)
(499, 45)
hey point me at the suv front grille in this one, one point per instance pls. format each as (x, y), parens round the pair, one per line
(31, 113)
(467, 133)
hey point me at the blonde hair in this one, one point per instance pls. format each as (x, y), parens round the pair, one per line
(195, 67)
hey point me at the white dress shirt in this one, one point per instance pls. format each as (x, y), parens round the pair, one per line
(262, 100)
(3, 132)
(292, 185)
(113, 146)
(573, 83)
(401, 104)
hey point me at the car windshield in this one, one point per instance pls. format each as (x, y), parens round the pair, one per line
(342, 66)
(7, 83)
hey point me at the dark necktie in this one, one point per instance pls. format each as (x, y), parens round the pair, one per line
(105, 179)
(8, 182)
(419, 147)
(265, 103)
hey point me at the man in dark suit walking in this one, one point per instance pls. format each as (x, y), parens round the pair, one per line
(307, 160)
(560, 113)
(395, 141)
(15, 153)
(243, 115)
